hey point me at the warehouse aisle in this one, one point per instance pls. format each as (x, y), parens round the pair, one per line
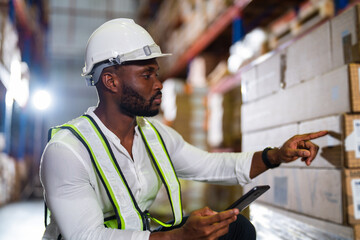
(22, 220)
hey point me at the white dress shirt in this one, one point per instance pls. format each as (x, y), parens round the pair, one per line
(78, 201)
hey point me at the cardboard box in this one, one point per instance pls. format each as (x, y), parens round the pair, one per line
(357, 231)
(336, 92)
(263, 79)
(308, 57)
(8, 177)
(331, 147)
(313, 192)
(269, 75)
(345, 37)
(248, 85)
(231, 119)
(275, 137)
(352, 195)
(352, 140)
(340, 148)
(183, 116)
(354, 71)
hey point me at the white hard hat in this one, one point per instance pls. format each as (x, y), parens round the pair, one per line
(115, 42)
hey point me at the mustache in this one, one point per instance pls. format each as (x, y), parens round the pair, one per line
(159, 93)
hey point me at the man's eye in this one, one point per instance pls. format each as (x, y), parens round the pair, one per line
(148, 75)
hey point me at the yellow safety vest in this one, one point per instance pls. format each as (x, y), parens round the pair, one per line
(127, 213)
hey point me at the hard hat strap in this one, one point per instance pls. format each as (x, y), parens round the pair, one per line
(94, 76)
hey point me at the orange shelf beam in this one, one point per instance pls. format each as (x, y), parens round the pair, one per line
(26, 21)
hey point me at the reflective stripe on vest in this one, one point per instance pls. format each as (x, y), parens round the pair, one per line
(128, 214)
(161, 159)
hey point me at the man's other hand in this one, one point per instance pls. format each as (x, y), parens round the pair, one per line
(202, 224)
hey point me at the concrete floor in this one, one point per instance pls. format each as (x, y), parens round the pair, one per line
(22, 220)
(25, 220)
(278, 224)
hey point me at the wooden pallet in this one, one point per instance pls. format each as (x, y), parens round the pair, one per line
(294, 23)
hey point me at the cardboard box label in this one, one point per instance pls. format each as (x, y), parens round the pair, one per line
(355, 187)
(281, 190)
(335, 93)
(356, 123)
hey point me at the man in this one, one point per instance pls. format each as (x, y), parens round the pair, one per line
(102, 171)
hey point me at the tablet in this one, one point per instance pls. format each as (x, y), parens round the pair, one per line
(249, 197)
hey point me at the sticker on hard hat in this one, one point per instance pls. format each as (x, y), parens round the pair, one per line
(147, 50)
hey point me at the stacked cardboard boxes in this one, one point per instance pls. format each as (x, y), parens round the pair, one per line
(184, 115)
(315, 86)
(189, 122)
(231, 120)
(267, 76)
(305, 101)
(9, 54)
(185, 20)
(7, 179)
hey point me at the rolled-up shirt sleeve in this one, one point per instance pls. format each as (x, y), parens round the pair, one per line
(72, 200)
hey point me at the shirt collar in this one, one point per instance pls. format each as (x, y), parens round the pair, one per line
(108, 133)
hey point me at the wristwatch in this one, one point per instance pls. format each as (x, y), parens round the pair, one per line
(266, 160)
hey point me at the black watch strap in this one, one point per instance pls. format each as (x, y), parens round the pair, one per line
(266, 160)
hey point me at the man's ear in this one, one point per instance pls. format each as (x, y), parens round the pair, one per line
(110, 81)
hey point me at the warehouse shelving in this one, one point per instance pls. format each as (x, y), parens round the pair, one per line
(234, 80)
(23, 46)
(254, 13)
(212, 32)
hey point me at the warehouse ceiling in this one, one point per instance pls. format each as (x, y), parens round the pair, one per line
(72, 22)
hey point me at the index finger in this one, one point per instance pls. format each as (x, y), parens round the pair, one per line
(221, 216)
(309, 136)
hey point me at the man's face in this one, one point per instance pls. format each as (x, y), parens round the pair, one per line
(141, 89)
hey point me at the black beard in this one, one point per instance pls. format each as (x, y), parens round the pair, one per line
(133, 104)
